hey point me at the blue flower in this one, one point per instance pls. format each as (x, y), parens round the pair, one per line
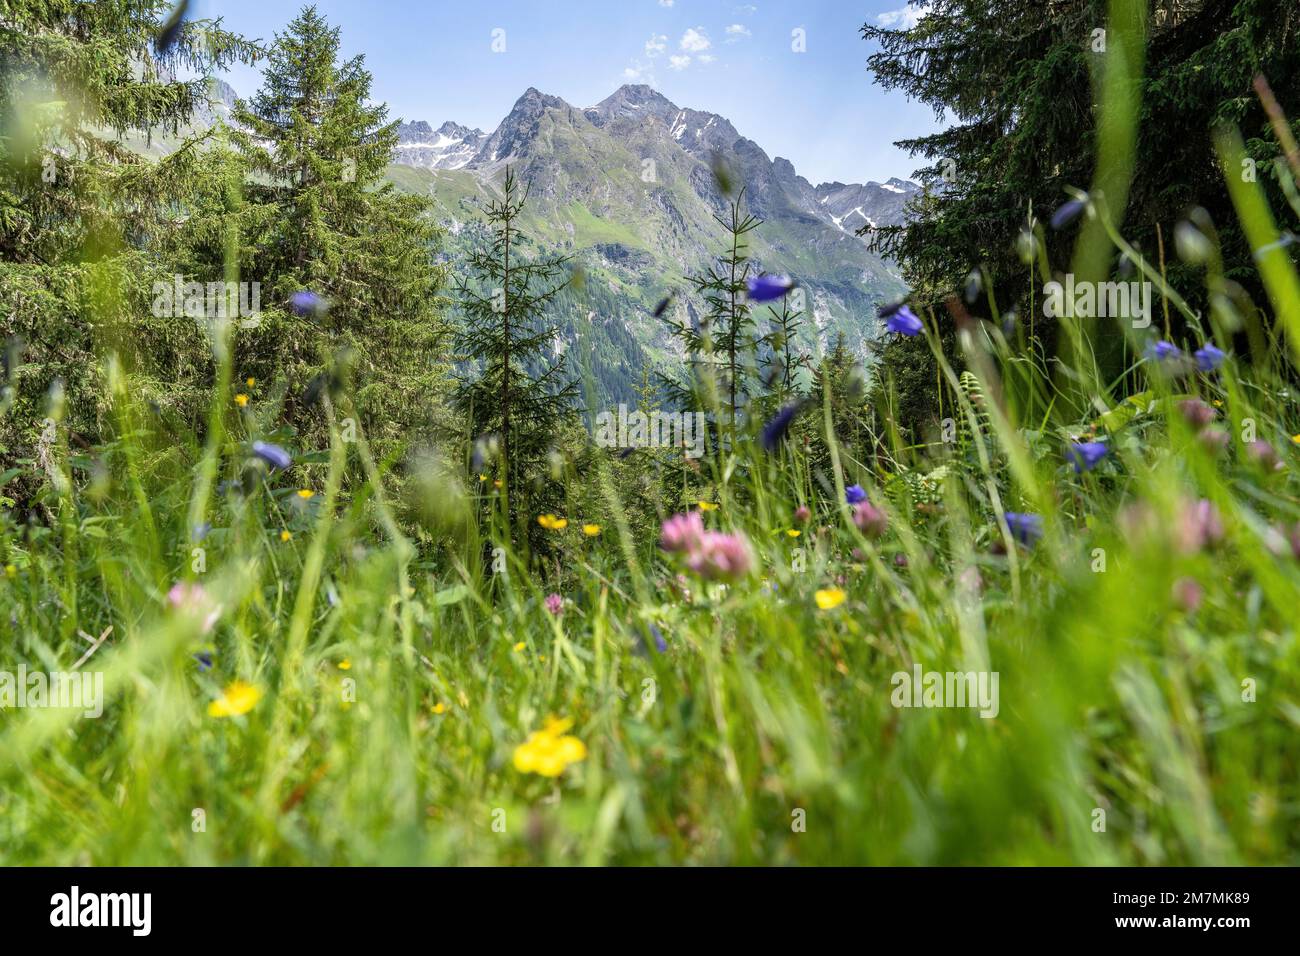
(170, 31)
(854, 494)
(1163, 351)
(902, 321)
(1208, 357)
(660, 644)
(305, 302)
(1025, 528)
(1068, 213)
(276, 457)
(780, 423)
(204, 659)
(765, 288)
(1009, 318)
(1086, 454)
(485, 450)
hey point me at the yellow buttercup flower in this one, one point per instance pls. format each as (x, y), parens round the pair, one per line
(345, 664)
(439, 708)
(706, 506)
(550, 750)
(241, 399)
(829, 598)
(793, 532)
(237, 699)
(305, 493)
(556, 725)
(10, 570)
(591, 530)
(482, 477)
(520, 646)
(285, 535)
(250, 381)
(1296, 439)
(552, 523)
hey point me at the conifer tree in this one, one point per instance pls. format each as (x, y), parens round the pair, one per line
(837, 379)
(783, 359)
(647, 394)
(79, 210)
(722, 348)
(74, 80)
(322, 219)
(1018, 84)
(520, 393)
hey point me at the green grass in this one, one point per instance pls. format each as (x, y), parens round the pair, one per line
(1112, 695)
(402, 661)
(588, 230)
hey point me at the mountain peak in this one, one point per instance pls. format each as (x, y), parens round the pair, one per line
(592, 198)
(639, 116)
(418, 129)
(451, 146)
(517, 130)
(534, 99)
(457, 131)
(637, 93)
(906, 185)
(632, 101)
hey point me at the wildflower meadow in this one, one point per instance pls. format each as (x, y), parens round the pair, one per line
(352, 581)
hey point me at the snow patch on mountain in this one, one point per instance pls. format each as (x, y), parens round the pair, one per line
(450, 146)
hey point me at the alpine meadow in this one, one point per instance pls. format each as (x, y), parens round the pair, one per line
(599, 488)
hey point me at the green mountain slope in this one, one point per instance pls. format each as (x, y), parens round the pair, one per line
(626, 188)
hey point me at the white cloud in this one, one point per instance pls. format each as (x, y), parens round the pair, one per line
(746, 9)
(665, 3)
(679, 62)
(695, 40)
(638, 71)
(904, 18)
(656, 45)
(706, 58)
(737, 32)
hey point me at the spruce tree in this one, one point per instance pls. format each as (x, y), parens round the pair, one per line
(519, 393)
(80, 211)
(1019, 85)
(783, 360)
(322, 219)
(721, 349)
(837, 380)
(1018, 82)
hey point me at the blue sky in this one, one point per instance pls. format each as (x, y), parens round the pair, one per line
(433, 60)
